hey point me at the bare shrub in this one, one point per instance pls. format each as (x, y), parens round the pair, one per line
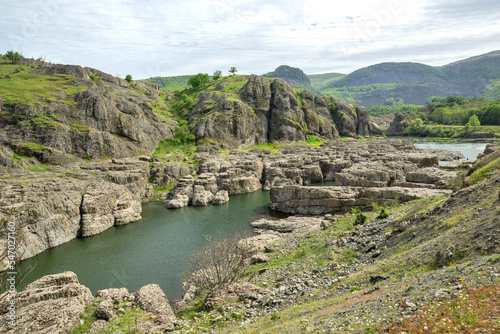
(222, 260)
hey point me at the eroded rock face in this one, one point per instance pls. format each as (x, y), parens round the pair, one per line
(262, 112)
(322, 200)
(49, 305)
(49, 211)
(108, 120)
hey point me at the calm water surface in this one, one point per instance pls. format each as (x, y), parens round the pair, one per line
(153, 250)
(469, 150)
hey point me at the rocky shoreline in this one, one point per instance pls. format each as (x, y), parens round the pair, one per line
(61, 204)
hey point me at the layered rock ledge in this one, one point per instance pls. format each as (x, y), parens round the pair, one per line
(322, 200)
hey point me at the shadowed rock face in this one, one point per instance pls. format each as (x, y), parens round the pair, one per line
(262, 112)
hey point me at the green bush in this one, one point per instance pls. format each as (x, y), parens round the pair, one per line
(383, 214)
(182, 134)
(128, 78)
(360, 217)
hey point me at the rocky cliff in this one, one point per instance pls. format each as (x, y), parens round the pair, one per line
(81, 112)
(242, 111)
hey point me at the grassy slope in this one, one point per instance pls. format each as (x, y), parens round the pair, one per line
(178, 82)
(18, 85)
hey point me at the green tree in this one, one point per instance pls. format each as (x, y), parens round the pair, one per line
(217, 75)
(198, 80)
(233, 70)
(182, 134)
(474, 121)
(128, 78)
(14, 57)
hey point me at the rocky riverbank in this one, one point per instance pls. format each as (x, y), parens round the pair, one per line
(381, 275)
(56, 205)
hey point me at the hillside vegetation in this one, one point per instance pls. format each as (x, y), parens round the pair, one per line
(448, 117)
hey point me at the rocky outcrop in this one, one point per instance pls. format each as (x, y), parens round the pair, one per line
(396, 128)
(261, 112)
(49, 305)
(53, 304)
(50, 210)
(321, 200)
(106, 119)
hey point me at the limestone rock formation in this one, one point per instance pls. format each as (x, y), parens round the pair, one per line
(103, 120)
(261, 112)
(49, 305)
(396, 128)
(50, 210)
(322, 200)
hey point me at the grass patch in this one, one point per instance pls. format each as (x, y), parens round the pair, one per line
(274, 148)
(33, 146)
(482, 173)
(84, 129)
(18, 85)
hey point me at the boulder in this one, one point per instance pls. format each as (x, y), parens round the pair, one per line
(49, 305)
(220, 197)
(152, 299)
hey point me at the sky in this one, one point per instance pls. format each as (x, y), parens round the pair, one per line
(183, 37)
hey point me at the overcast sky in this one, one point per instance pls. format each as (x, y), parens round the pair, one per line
(173, 37)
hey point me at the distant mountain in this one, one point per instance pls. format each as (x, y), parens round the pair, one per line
(293, 76)
(414, 83)
(320, 81)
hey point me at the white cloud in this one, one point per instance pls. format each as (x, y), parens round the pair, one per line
(149, 38)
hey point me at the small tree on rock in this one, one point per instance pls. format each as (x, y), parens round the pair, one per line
(182, 135)
(233, 70)
(128, 78)
(217, 75)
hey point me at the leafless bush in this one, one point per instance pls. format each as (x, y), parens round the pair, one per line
(221, 261)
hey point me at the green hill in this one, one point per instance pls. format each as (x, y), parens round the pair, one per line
(415, 83)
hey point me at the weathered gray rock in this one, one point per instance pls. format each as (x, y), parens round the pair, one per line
(220, 197)
(108, 120)
(152, 299)
(256, 114)
(201, 197)
(288, 225)
(49, 305)
(105, 310)
(105, 205)
(239, 291)
(321, 200)
(50, 211)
